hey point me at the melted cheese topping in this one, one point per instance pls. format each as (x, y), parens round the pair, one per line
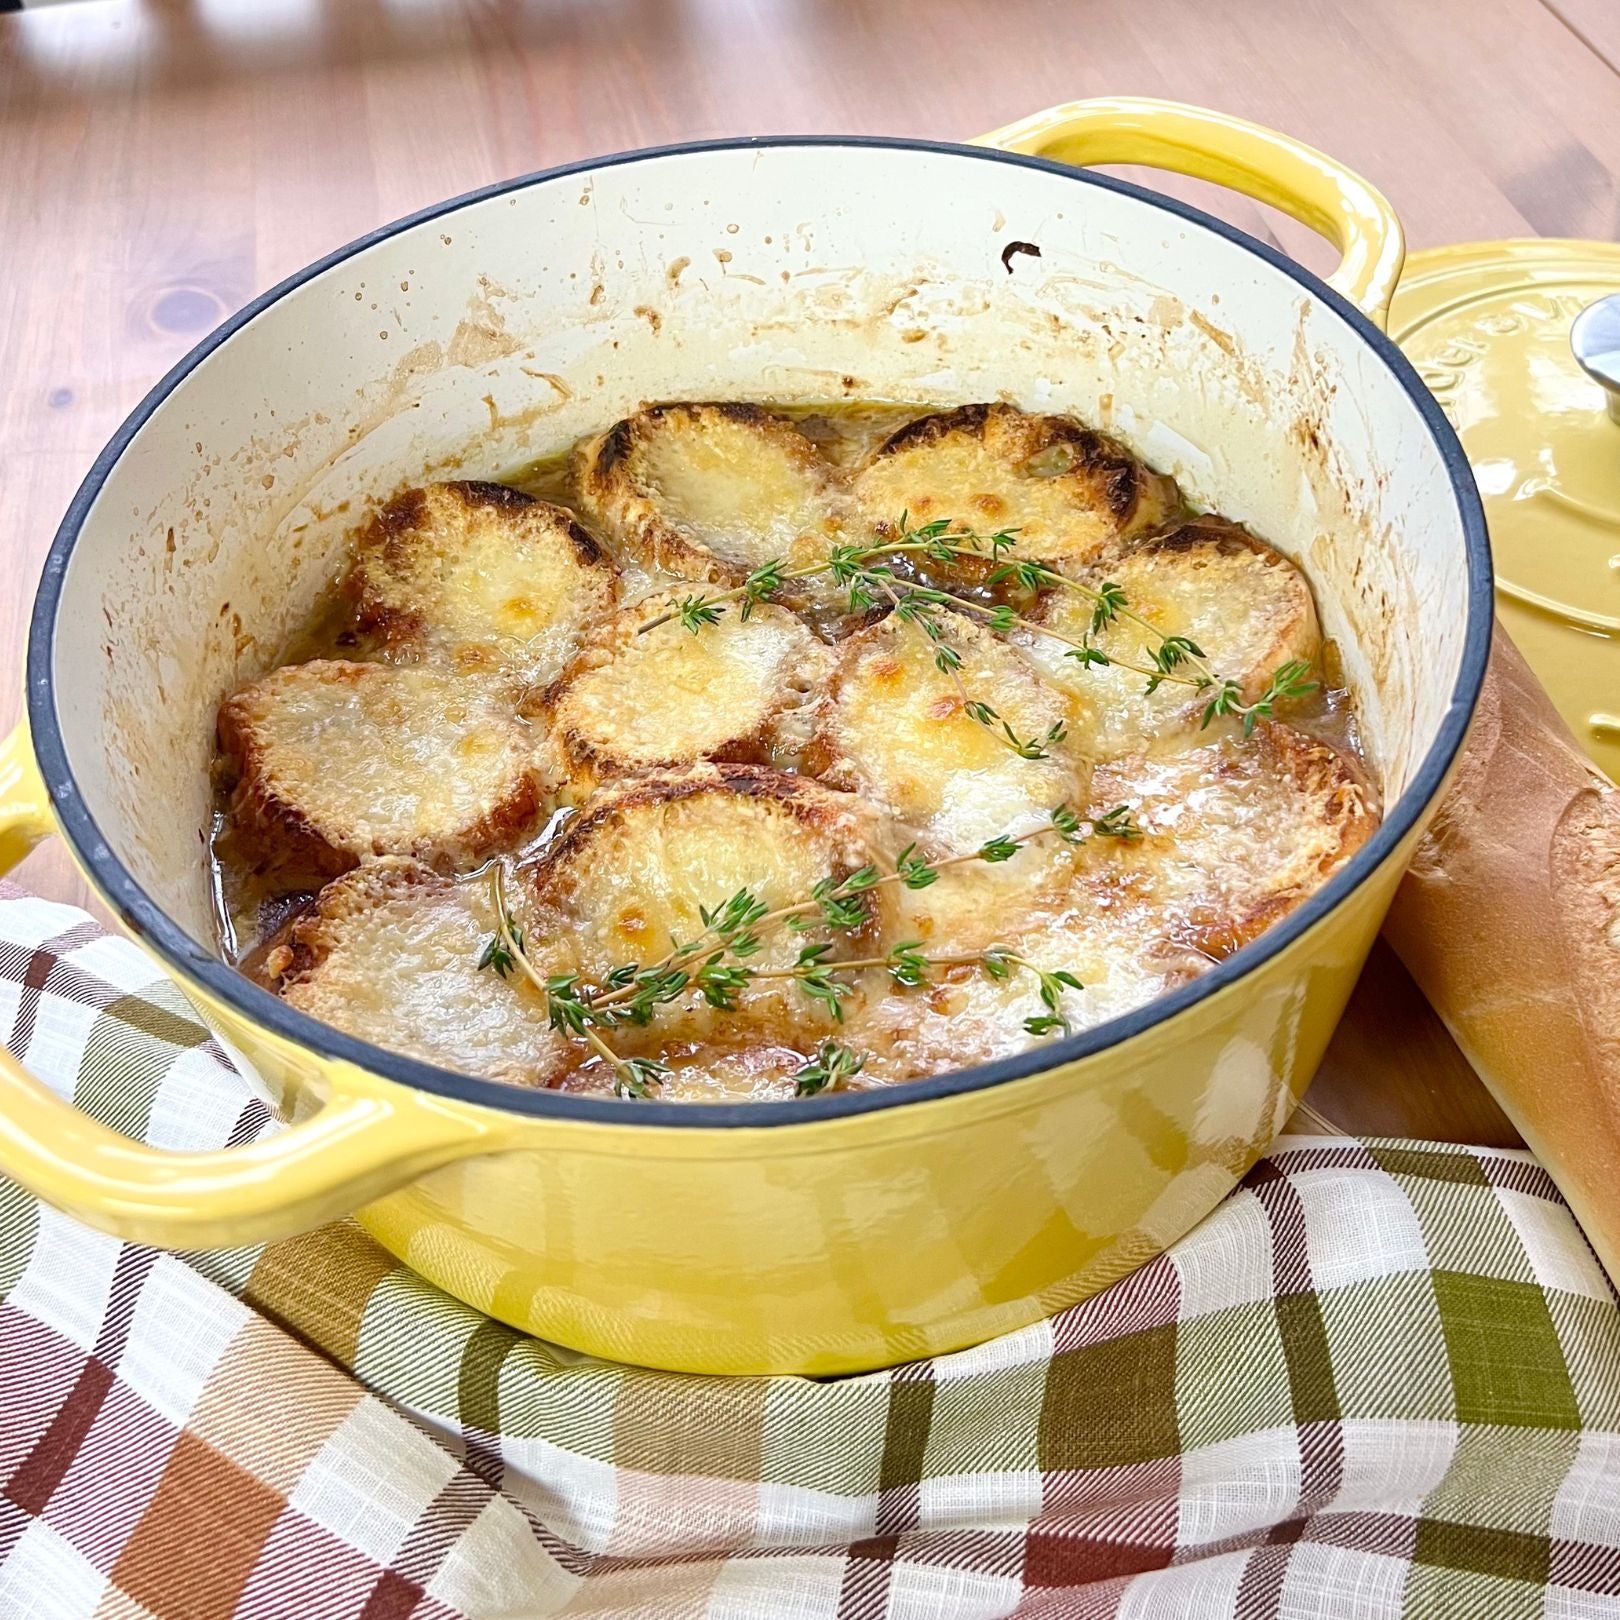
(1065, 490)
(636, 871)
(662, 697)
(895, 728)
(710, 491)
(1235, 831)
(743, 494)
(481, 582)
(431, 1000)
(671, 743)
(1244, 605)
(376, 760)
(970, 1017)
(631, 878)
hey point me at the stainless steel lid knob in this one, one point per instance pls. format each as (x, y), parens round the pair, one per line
(1595, 338)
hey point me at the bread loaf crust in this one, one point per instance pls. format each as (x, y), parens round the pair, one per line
(1509, 921)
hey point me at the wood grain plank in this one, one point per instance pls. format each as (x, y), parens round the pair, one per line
(1596, 23)
(165, 161)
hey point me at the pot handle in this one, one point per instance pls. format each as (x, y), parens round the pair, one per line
(368, 1138)
(1259, 162)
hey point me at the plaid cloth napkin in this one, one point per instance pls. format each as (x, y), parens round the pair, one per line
(1383, 1379)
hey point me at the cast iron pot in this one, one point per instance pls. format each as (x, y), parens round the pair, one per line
(836, 1233)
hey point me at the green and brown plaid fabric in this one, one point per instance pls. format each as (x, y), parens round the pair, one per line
(1382, 1380)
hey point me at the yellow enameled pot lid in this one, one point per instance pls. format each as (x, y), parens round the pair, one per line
(1493, 329)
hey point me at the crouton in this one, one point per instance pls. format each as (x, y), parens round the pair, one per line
(333, 763)
(1245, 606)
(1064, 489)
(389, 953)
(894, 726)
(636, 699)
(710, 492)
(479, 576)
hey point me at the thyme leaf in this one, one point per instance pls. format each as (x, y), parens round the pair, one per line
(832, 1065)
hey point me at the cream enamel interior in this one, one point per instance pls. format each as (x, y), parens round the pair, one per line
(486, 336)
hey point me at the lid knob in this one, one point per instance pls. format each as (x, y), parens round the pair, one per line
(1595, 338)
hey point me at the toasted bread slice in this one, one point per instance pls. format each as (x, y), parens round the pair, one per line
(1066, 490)
(1236, 833)
(390, 953)
(710, 491)
(628, 879)
(333, 763)
(759, 1069)
(637, 699)
(1247, 608)
(481, 576)
(967, 1017)
(893, 726)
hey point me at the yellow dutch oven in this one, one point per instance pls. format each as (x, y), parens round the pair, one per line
(830, 1234)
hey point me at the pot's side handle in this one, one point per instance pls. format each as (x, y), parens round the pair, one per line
(1259, 162)
(368, 1138)
(25, 806)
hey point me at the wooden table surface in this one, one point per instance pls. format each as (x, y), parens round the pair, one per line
(161, 162)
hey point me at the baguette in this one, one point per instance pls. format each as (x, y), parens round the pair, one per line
(334, 763)
(635, 700)
(895, 726)
(1509, 921)
(1247, 608)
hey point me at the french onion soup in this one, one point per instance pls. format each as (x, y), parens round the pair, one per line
(747, 753)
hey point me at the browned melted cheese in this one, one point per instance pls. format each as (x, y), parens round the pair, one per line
(1066, 490)
(643, 695)
(497, 695)
(336, 762)
(480, 576)
(709, 492)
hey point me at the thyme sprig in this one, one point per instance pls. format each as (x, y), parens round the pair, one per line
(864, 577)
(717, 965)
(505, 954)
(832, 1065)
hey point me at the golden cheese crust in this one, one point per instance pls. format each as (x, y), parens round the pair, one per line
(753, 758)
(757, 1069)
(1245, 605)
(893, 726)
(968, 1017)
(627, 880)
(390, 953)
(710, 491)
(1066, 489)
(1236, 832)
(480, 576)
(636, 700)
(334, 763)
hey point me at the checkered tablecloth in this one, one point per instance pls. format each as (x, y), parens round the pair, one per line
(1383, 1379)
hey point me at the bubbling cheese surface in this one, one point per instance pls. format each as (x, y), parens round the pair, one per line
(1063, 489)
(433, 1002)
(709, 491)
(573, 682)
(1207, 581)
(366, 760)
